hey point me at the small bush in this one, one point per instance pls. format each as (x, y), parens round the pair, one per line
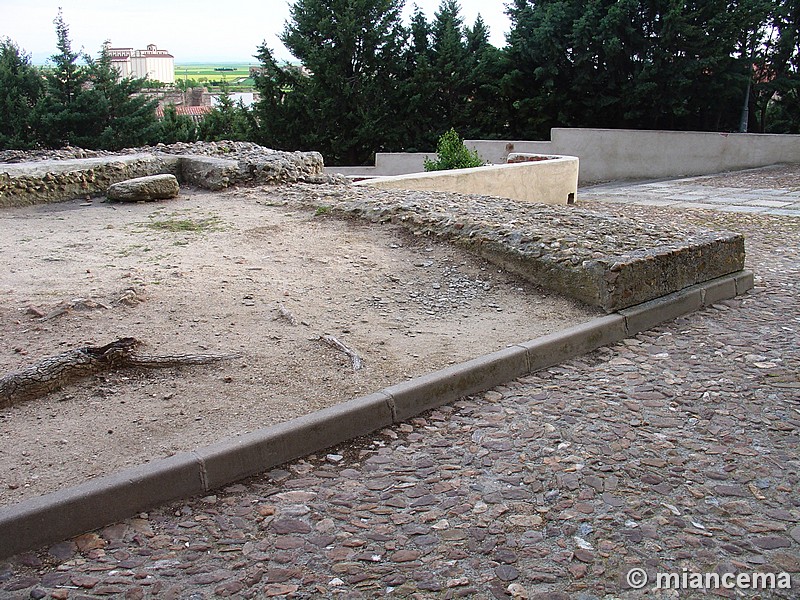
(451, 153)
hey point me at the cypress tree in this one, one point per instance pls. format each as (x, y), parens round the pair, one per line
(65, 115)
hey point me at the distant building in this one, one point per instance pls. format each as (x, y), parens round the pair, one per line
(154, 64)
(196, 113)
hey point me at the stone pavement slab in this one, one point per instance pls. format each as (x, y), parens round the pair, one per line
(763, 190)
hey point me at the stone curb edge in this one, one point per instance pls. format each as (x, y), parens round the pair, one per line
(100, 502)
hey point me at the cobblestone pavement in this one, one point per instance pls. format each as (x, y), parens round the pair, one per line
(769, 190)
(674, 451)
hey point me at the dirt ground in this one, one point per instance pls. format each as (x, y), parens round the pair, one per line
(207, 273)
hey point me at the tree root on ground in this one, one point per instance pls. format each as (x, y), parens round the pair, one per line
(54, 372)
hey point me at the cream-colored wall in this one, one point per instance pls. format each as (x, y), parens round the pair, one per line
(634, 154)
(553, 181)
(161, 68)
(123, 66)
(608, 154)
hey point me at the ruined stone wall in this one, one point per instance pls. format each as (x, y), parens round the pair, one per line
(54, 181)
(209, 165)
(604, 261)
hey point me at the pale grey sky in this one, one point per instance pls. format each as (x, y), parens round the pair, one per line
(192, 31)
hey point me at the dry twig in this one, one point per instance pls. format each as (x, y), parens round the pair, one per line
(331, 341)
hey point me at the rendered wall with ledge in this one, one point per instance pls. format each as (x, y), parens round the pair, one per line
(551, 181)
(609, 154)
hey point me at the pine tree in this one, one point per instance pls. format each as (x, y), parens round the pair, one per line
(451, 66)
(653, 64)
(20, 90)
(351, 51)
(484, 116)
(417, 115)
(281, 118)
(128, 118)
(226, 121)
(176, 128)
(771, 52)
(65, 114)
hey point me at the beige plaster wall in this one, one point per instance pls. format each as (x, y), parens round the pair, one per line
(627, 154)
(608, 154)
(553, 181)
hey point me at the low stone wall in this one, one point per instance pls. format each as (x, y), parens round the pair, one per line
(546, 179)
(604, 261)
(54, 181)
(201, 165)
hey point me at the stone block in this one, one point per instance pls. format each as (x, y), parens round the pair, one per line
(98, 502)
(144, 189)
(721, 288)
(745, 281)
(555, 348)
(209, 173)
(654, 312)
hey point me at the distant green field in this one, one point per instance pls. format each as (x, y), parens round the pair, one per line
(237, 75)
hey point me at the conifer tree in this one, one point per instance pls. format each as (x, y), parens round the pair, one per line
(127, 118)
(176, 128)
(451, 64)
(20, 90)
(350, 50)
(65, 114)
(417, 114)
(226, 121)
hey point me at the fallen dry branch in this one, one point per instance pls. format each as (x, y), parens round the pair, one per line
(331, 341)
(54, 372)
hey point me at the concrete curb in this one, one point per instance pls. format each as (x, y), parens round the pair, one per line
(70, 512)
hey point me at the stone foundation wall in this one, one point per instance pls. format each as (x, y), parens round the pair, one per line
(213, 166)
(42, 182)
(601, 260)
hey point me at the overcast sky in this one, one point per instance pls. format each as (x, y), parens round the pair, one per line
(192, 31)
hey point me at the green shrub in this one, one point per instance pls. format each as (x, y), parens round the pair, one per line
(451, 153)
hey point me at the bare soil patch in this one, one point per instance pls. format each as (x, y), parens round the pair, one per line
(208, 273)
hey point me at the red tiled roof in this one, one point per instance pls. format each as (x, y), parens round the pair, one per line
(191, 111)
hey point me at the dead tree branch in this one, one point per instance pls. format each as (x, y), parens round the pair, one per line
(54, 372)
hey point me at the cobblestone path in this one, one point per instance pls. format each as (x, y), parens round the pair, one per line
(674, 451)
